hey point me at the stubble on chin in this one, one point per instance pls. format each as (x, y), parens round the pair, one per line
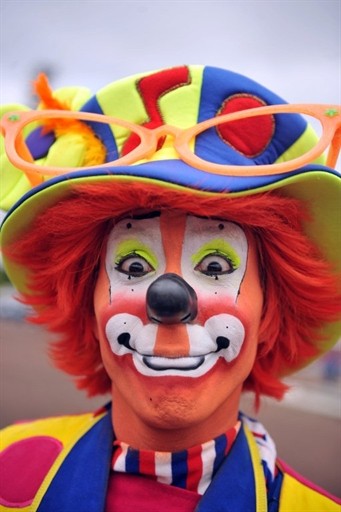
(174, 410)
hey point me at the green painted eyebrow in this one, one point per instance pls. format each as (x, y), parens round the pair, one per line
(217, 246)
(135, 247)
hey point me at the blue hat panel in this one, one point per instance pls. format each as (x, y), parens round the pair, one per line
(102, 130)
(219, 86)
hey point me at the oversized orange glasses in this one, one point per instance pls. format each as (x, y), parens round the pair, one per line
(14, 124)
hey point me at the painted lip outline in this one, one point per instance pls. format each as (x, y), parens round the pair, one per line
(187, 363)
(185, 366)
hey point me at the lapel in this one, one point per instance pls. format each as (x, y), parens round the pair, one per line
(233, 489)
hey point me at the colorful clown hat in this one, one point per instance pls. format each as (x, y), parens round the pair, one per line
(214, 159)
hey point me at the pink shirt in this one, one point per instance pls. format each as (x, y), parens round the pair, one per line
(129, 492)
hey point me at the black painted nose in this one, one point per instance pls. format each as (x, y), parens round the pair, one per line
(170, 300)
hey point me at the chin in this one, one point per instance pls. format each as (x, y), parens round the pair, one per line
(173, 411)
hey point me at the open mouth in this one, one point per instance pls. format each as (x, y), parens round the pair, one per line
(177, 363)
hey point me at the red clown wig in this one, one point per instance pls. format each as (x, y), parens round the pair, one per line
(62, 251)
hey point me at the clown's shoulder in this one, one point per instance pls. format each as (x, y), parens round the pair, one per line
(40, 457)
(38, 452)
(300, 495)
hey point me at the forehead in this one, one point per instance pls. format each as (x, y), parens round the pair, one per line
(159, 223)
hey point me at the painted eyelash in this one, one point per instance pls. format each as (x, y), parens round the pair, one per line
(121, 259)
(218, 247)
(234, 264)
(130, 274)
(216, 274)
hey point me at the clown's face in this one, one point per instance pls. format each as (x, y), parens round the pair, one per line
(178, 304)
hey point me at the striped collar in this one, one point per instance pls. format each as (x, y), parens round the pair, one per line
(194, 469)
(191, 469)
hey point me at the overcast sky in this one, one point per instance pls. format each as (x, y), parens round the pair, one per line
(292, 47)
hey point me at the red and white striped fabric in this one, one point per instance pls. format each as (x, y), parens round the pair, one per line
(191, 469)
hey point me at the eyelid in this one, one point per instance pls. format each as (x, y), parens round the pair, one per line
(137, 254)
(132, 273)
(133, 247)
(217, 247)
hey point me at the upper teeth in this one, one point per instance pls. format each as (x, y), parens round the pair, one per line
(176, 363)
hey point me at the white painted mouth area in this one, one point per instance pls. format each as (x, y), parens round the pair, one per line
(128, 335)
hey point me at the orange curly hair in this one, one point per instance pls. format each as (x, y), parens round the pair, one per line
(63, 248)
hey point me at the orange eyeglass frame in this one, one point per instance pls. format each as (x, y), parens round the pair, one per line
(13, 123)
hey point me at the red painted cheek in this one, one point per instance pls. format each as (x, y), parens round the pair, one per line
(132, 305)
(214, 305)
(217, 305)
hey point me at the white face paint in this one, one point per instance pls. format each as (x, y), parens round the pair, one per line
(130, 240)
(209, 241)
(211, 256)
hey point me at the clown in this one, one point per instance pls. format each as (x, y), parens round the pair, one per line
(177, 230)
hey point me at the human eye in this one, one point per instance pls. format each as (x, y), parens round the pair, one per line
(133, 265)
(215, 265)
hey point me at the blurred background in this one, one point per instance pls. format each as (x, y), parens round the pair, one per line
(292, 47)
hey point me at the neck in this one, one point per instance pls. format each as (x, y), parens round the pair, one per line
(170, 434)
